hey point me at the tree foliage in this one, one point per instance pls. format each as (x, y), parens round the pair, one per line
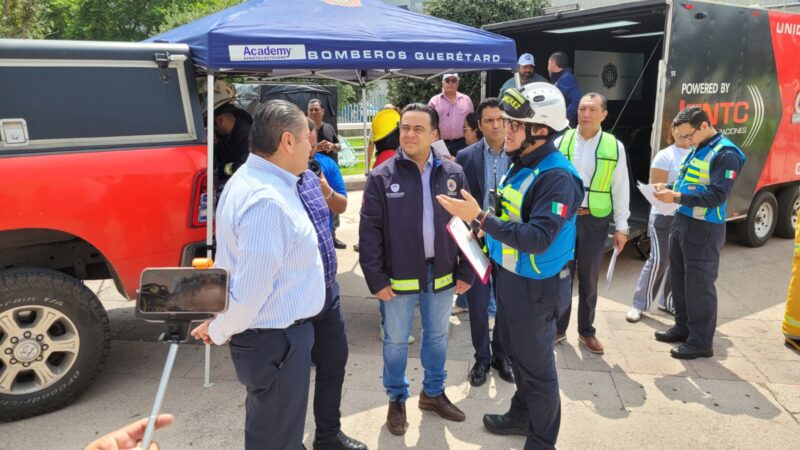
(109, 20)
(474, 13)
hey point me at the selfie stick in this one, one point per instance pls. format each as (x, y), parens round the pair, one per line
(205, 263)
(176, 333)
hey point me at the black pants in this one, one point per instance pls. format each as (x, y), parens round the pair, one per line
(694, 265)
(589, 248)
(454, 145)
(330, 356)
(274, 366)
(478, 301)
(530, 309)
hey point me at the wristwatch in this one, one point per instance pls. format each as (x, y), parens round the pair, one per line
(477, 221)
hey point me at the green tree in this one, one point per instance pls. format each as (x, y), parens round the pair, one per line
(474, 13)
(20, 19)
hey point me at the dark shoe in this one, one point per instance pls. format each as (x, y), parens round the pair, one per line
(561, 338)
(396, 418)
(664, 309)
(502, 424)
(355, 247)
(792, 344)
(339, 244)
(503, 367)
(339, 442)
(592, 344)
(685, 351)
(441, 405)
(672, 335)
(477, 376)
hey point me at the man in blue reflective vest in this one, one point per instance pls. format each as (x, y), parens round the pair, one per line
(698, 231)
(530, 237)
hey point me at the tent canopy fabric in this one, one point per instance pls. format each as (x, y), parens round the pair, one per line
(349, 40)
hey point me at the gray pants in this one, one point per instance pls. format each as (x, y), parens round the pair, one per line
(655, 273)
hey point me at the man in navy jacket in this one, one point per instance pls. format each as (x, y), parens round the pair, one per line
(562, 77)
(484, 164)
(408, 258)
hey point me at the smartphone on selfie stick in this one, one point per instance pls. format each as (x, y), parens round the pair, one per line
(176, 297)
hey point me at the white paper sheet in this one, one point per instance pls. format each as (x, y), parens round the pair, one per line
(611, 265)
(470, 247)
(649, 193)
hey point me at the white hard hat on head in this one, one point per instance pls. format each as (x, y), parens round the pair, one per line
(540, 103)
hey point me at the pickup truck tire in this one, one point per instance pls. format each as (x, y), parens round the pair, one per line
(54, 339)
(760, 222)
(788, 204)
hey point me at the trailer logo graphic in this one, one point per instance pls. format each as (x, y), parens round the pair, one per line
(609, 75)
(758, 119)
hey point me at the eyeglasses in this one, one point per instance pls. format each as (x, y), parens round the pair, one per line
(451, 80)
(513, 125)
(686, 137)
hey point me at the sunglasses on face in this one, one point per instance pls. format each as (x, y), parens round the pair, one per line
(451, 80)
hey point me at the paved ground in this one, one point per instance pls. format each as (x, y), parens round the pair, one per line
(635, 396)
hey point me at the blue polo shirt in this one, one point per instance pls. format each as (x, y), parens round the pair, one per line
(334, 176)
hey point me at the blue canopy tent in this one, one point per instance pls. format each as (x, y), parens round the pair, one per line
(354, 41)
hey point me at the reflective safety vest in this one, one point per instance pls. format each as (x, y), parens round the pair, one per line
(541, 265)
(412, 284)
(606, 156)
(695, 177)
(791, 319)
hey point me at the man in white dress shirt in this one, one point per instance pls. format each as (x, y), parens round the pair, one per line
(268, 243)
(600, 160)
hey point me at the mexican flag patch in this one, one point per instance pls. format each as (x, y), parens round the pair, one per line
(560, 209)
(730, 175)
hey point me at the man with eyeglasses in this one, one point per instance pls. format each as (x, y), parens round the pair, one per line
(452, 107)
(697, 234)
(530, 237)
(600, 159)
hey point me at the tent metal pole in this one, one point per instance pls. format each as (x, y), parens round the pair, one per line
(209, 201)
(483, 85)
(210, 164)
(364, 120)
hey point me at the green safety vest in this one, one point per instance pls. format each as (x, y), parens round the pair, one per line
(606, 156)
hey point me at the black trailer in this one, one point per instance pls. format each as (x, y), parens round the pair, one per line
(651, 58)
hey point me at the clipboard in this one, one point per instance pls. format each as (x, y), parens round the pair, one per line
(470, 248)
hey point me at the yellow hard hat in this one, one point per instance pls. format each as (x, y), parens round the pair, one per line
(384, 123)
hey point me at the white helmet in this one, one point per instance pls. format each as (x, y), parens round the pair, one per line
(540, 103)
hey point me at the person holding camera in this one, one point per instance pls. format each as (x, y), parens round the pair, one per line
(261, 224)
(329, 174)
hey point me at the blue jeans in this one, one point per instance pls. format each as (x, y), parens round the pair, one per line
(435, 313)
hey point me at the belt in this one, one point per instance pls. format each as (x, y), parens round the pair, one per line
(583, 212)
(429, 261)
(294, 324)
(453, 140)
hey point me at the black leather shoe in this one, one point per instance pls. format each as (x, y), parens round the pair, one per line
(503, 366)
(339, 244)
(477, 376)
(502, 424)
(672, 335)
(685, 351)
(339, 442)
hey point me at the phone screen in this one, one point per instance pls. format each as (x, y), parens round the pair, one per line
(183, 290)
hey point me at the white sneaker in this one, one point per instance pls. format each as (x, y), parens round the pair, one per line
(458, 310)
(634, 315)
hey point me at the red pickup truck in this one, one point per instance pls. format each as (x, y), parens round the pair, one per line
(102, 173)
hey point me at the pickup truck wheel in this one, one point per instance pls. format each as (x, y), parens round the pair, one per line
(760, 222)
(788, 205)
(54, 339)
